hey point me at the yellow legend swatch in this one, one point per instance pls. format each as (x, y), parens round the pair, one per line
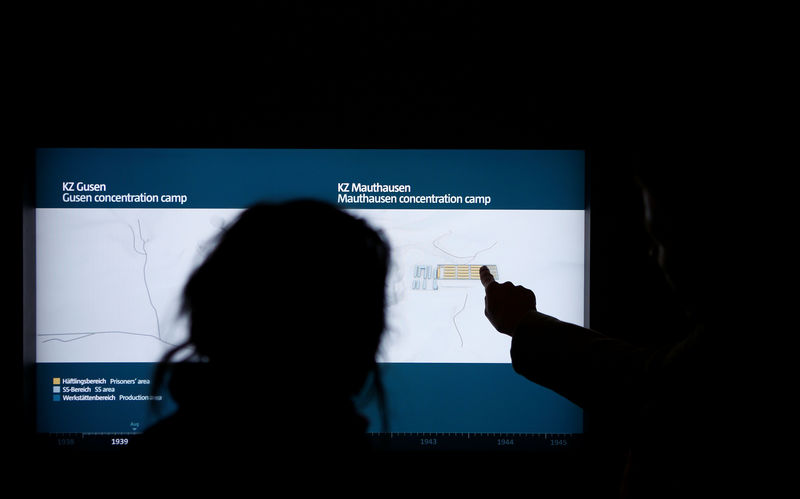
(462, 271)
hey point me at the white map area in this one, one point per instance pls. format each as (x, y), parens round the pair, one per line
(109, 281)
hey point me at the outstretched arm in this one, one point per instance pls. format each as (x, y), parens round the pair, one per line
(582, 365)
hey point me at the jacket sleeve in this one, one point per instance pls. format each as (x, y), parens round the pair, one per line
(586, 367)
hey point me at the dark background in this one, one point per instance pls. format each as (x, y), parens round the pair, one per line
(456, 75)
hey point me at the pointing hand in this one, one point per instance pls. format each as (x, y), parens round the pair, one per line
(506, 304)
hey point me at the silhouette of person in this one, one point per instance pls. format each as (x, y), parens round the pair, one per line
(285, 317)
(669, 396)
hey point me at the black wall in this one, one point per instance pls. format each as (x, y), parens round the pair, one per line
(445, 76)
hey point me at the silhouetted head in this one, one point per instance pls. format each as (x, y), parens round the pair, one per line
(683, 217)
(295, 293)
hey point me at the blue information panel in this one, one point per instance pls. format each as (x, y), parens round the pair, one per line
(118, 231)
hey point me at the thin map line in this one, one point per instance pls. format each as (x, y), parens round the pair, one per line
(472, 257)
(456, 324)
(144, 275)
(86, 335)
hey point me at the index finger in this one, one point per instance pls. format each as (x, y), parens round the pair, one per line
(486, 277)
